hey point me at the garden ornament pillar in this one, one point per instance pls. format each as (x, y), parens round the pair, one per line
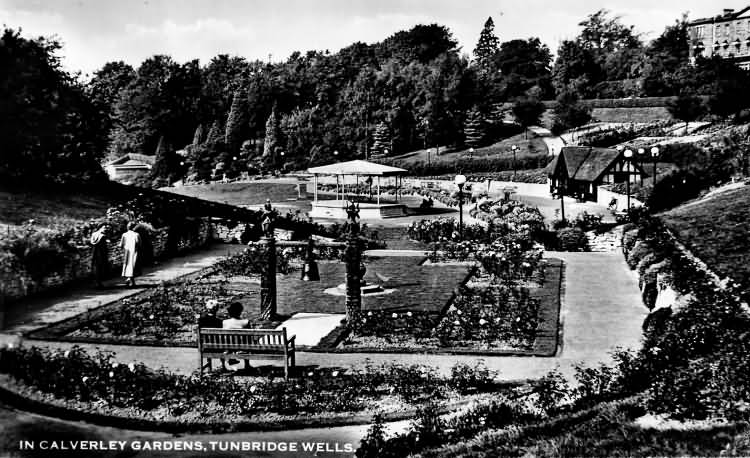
(310, 270)
(460, 181)
(267, 245)
(353, 257)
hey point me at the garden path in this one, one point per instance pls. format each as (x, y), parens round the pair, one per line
(39, 312)
(601, 310)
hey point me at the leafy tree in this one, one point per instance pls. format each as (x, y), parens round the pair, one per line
(105, 87)
(605, 50)
(570, 112)
(161, 100)
(686, 107)
(528, 112)
(487, 46)
(666, 60)
(382, 139)
(422, 43)
(237, 122)
(50, 128)
(475, 130)
(524, 64)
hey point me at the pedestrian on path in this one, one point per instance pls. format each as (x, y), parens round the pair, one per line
(99, 255)
(130, 243)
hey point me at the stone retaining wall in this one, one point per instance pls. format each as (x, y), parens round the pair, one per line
(18, 284)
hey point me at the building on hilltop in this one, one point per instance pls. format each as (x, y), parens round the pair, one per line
(129, 167)
(726, 35)
(578, 171)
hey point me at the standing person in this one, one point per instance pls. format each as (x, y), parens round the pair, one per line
(130, 242)
(99, 255)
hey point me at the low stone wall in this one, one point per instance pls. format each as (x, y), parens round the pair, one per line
(18, 284)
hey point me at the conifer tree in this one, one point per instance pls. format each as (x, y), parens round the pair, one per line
(199, 135)
(273, 137)
(475, 128)
(381, 139)
(488, 44)
(237, 122)
(164, 161)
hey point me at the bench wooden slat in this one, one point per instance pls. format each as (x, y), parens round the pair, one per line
(246, 344)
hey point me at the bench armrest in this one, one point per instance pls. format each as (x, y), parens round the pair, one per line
(290, 340)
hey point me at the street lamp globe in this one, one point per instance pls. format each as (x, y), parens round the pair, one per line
(460, 180)
(619, 148)
(655, 151)
(628, 153)
(641, 151)
(335, 153)
(471, 151)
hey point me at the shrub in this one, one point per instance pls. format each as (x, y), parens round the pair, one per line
(551, 390)
(465, 378)
(572, 239)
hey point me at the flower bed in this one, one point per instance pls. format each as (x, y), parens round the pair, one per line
(486, 316)
(97, 383)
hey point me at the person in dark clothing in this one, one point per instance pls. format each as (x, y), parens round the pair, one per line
(99, 255)
(210, 320)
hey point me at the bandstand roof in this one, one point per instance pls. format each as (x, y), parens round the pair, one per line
(357, 167)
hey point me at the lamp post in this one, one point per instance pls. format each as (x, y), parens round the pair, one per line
(471, 153)
(460, 181)
(641, 160)
(628, 155)
(513, 149)
(654, 157)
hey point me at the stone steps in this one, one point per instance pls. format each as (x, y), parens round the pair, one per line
(608, 242)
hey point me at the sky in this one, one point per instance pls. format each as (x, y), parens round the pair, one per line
(94, 32)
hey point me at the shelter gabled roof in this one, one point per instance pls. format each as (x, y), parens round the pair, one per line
(357, 167)
(584, 163)
(596, 163)
(132, 159)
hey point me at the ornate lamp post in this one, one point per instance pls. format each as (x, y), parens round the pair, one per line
(460, 181)
(353, 257)
(267, 244)
(641, 160)
(513, 149)
(628, 155)
(654, 157)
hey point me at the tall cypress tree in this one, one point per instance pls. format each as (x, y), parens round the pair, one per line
(164, 161)
(488, 44)
(237, 122)
(273, 138)
(198, 136)
(381, 139)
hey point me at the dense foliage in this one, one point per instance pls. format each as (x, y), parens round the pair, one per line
(101, 381)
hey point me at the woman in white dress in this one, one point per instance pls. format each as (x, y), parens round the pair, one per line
(130, 242)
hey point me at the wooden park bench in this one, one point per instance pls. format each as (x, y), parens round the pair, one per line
(245, 344)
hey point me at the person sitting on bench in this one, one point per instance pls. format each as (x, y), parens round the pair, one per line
(235, 322)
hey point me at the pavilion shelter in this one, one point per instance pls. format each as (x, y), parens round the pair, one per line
(362, 182)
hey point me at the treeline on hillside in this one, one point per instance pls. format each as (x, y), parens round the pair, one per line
(412, 90)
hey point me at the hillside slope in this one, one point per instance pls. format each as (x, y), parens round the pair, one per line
(717, 230)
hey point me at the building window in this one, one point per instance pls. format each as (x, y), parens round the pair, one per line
(700, 31)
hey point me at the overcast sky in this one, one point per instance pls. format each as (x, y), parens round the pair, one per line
(98, 31)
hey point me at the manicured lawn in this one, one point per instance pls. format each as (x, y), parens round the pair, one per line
(247, 193)
(533, 146)
(716, 230)
(50, 208)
